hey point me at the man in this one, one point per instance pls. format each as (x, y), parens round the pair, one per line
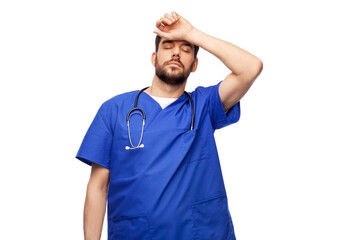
(162, 179)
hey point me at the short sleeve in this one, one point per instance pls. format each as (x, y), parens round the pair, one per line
(96, 145)
(219, 118)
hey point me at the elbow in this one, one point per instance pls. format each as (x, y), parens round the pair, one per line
(250, 72)
(256, 69)
(258, 66)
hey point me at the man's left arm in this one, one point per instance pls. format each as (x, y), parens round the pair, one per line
(244, 66)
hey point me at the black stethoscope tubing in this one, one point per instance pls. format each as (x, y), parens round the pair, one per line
(143, 117)
(143, 113)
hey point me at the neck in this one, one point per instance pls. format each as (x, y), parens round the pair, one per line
(160, 89)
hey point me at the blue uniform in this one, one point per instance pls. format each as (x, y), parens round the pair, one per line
(172, 189)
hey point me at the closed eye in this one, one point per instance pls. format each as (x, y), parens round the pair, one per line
(167, 46)
(186, 49)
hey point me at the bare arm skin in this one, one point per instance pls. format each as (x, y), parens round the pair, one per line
(244, 66)
(95, 202)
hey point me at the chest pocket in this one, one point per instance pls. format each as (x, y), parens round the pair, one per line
(193, 143)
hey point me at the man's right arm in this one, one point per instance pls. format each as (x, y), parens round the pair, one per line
(95, 202)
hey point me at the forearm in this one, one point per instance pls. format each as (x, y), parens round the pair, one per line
(94, 212)
(236, 59)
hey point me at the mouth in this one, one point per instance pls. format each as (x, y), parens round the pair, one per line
(174, 64)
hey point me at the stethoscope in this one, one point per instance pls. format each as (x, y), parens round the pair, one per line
(139, 111)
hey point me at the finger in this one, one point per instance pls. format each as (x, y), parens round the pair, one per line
(160, 25)
(175, 15)
(171, 18)
(166, 21)
(161, 34)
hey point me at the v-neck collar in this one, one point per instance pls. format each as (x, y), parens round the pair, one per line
(169, 106)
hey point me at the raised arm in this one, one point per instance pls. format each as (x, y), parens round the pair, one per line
(244, 66)
(95, 203)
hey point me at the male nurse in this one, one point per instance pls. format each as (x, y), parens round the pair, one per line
(170, 188)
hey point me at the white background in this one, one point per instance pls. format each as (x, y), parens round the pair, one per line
(290, 165)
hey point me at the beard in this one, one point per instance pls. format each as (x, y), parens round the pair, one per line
(171, 76)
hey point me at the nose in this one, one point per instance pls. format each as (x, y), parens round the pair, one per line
(176, 52)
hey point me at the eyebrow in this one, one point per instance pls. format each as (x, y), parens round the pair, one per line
(171, 41)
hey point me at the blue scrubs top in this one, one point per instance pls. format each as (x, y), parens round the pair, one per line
(172, 188)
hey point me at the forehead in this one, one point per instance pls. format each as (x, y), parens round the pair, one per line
(181, 42)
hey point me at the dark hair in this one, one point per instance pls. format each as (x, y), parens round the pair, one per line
(157, 42)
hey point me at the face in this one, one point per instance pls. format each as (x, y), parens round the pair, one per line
(174, 61)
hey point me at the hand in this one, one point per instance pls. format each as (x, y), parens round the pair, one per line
(173, 27)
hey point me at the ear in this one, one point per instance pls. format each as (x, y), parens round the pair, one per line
(153, 58)
(195, 65)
